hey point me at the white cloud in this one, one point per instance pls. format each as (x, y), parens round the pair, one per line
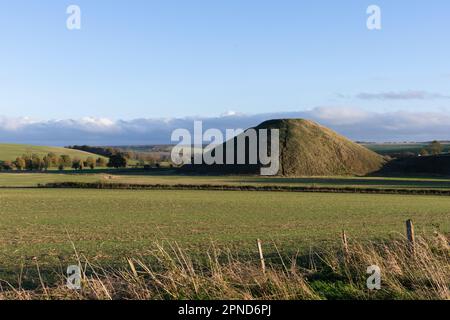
(340, 116)
(402, 95)
(354, 123)
(14, 123)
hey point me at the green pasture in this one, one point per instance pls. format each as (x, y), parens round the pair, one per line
(108, 225)
(12, 151)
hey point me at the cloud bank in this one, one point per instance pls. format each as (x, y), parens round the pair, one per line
(354, 123)
(402, 95)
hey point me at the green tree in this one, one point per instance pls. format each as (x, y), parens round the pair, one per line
(7, 165)
(28, 162)
(435, 147)
(53, 159)
(47, 161)
(37, 163)
(90, 162)
(100, 162)
(64, 161)
(117, 161)
(77, 163)
(20, 163)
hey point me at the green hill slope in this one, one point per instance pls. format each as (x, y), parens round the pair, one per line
(309, 149)
(12, 151)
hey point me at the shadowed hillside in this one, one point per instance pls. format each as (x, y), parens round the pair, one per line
(428, 165)
(308, 149)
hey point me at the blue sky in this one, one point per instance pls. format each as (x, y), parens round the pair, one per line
(171, 59)
(177, 58)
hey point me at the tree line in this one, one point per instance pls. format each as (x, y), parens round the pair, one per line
(142, 157)
(103, 151)
(51, 160)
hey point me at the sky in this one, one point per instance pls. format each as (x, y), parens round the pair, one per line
(228, 62)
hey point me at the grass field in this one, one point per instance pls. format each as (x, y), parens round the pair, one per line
(12, 151)
(42, 231)
(109, 224)
(33, 179)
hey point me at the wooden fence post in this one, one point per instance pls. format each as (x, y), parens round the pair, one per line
(410, 234)
(261, 256)
(345, 242)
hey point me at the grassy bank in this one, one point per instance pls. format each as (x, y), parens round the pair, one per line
(334, 274)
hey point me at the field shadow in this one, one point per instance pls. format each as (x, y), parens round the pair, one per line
(391, 182)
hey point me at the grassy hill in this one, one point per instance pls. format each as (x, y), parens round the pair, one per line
(12, 151)
(308, 149)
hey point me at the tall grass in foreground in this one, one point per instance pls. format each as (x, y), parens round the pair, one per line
(332, 274)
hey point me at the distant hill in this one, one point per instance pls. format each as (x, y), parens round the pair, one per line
(309, 149)
(402, 149)
(12, 151)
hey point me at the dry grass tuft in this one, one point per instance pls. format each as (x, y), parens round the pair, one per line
(218, 274)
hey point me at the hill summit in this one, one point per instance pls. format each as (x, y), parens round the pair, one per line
(307, 149)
